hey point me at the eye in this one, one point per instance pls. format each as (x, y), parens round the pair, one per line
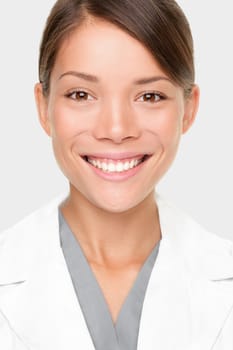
(79, 95)
(151, 97)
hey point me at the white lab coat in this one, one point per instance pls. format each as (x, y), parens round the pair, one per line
(188, 303)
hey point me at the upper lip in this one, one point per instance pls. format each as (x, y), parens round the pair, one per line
(116, 156)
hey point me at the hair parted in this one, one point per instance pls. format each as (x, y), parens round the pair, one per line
(160, 25)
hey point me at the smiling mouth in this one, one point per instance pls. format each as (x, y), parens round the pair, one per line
(115, 166)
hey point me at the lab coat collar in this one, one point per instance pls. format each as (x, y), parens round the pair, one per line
(25, 244)
(204, 254)
(36, 293)
(192, 280)
(193, 277)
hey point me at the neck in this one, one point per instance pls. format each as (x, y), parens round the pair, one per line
(113, 239)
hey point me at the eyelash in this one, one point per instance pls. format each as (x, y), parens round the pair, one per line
(158, 97)
(155, 95)
(76, 92)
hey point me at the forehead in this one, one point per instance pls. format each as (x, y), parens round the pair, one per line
(101, 47)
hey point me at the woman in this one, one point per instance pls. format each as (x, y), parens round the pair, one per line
(111, 265)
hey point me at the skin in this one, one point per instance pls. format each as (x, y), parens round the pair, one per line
(115, 221)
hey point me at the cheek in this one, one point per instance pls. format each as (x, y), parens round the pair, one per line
(166, 124)
(65, 122)
(171, 132)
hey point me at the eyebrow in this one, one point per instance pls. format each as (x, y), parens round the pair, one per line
(151, 80)
(93, 79)
(84, 76)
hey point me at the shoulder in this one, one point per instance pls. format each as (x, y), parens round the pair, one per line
(19, 232)
(204, 253)
(19, 243)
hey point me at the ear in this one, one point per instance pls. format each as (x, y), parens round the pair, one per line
(191, 108)
(42, 108)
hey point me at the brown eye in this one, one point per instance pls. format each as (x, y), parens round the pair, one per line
(151, 97)
(79, 96)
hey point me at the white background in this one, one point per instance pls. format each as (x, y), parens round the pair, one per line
(200, 180)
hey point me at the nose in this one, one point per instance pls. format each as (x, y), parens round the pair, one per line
(117, 123)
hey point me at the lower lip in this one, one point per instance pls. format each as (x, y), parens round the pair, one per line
(115, 176)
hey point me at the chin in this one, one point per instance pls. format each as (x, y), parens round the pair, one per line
(119, 204)
(117, 208)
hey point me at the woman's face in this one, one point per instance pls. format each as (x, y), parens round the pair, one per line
(114, 116)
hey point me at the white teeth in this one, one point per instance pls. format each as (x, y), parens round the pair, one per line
(131, 165)
(126, 166)
(104, 167)
(111, 168)
(119, 167)
(115, 167)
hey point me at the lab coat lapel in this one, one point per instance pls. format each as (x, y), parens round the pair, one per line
(41, 306)
(166, 306)
(185, 308)
(64, 312)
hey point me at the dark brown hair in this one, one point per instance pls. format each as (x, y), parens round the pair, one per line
(160, 25)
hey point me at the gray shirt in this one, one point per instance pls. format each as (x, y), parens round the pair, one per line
(123, 335)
